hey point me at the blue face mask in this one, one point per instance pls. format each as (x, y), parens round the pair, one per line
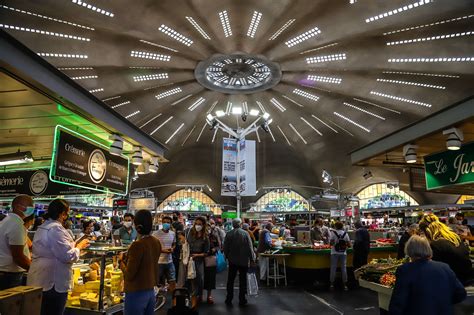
(166, 226)
(29, 211)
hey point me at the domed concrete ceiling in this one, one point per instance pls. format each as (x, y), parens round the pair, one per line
(333, 75)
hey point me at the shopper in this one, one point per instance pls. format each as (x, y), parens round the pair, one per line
(423, 286)
(115, 222)
(177, 221)
(139, 267)
(264, 244)
(54, 252)
(255, 229)
(28, 223)
(412, 229)
(339, 241)
(14, 260)
(447, 247)
(38, 221)
(319, 232)
(166, 268)
(246, 228)
(68, 227)
(238, 250)
(210, 268)
(361, 246)
(127, 232)
(183, 260)
(88, 230)
(198, 241)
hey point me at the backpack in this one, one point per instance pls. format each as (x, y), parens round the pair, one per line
(341, 244)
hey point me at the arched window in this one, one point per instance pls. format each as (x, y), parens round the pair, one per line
(463, 198)
(186, 200)
(281, 200)
(384, 196)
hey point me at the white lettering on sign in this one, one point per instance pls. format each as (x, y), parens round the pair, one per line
(118, 167)
(16, 181)
(461, 167)
(70, 148)
(441, 168)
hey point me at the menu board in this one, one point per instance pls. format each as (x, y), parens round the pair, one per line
(80, 161)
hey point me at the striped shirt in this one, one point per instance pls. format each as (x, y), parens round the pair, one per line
(167, 239)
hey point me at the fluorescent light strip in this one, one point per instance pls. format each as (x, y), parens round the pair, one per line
(364, 111)
(319, 48)
(158, 86)
(198, 102)
(440, 59)
(312, 127)
(426, 39)
(146, 68)
(258, 136)
(325, 124)
(202, 130)
(158, 45)
(352, 1)
(228, 108)
(120, 104)
(225, 23)
(262, 108)
(306, 94)
(214, 136)
(162, 124)
(212, 107)
(245, 107)
(376, 105)
(175, 35)
(277, 105)
(197, 27)
(156, 76)
(399, 99)
(271, 133)
(174, 133)
(55, 55)
(299, 135)
(111, 98)
(351, 121)
(96, 90)
(282, 29)
(181, 99)
(132, 114)
(76, 68)
(46, 17)
(327, 58)
(36, 31)
(148, 55)
(430, 24)
(256, 17)
(84, 77)
(396, 11)
(187, 137)
(150, 120)
(316, 88)
(324, 79)
(424, 74)
(168, 93)
(342, 128)
(303, 37)
(288, 141)
(92, 8)
(439, 87)
(292, 100)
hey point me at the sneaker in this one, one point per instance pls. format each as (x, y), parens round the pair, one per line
(346, 288)
(331, 287)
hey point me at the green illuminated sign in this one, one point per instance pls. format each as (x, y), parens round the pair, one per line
(450, 167)
(229, 215)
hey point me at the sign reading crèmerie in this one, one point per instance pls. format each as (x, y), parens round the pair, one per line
(83, 162)
(450, 167)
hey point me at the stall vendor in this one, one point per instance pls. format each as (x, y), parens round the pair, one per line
(127, 232)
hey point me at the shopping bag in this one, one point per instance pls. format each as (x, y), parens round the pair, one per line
(252, 284)
(191, 269)
(210, 261)
(220, 262)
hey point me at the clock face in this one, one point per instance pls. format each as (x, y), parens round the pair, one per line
(38, 182)
(97, 166)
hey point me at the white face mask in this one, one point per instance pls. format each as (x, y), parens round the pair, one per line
(198, 228)
(127, 224)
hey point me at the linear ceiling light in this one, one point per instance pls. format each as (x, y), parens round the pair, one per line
(430, 24)
(312, 127)
(225, 23)
(120, 104)
(318, 48)
(396, 11)
(174, 133)
(423, 74)
(92, 8)
(351, 121)
(16, 158)
(132, 114)
(148, 55)
(440, 87)
(96, 90)
(439, 59)
(393, 97)
(161, 125)
(111, 98)
(168, 93)
(41, 32)
(198, 102)
(376, 105)
(198, 27)
(292, 100)
(156, 76)
(324, 79)
(303, 37)
(286, 138)
(299, 135)
(431, 38)
(256, 17)
(325, 124)
(157, 45)
(364, 110)
(55, 55)
(175, 35)
(277, 105)
(85, 77)
(306, 94)
(75, 68)
(327, 58)
(455, 138)
(282, 29)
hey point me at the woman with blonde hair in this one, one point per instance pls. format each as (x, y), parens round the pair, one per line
(447, 246)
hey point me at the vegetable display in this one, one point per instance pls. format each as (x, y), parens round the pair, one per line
(381, 271)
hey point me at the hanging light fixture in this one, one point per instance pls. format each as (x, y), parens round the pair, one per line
(409, 152)
(16, 158)
(143, 169)
(455, 138)
(137, 157)
(116, 147)
(154, 164)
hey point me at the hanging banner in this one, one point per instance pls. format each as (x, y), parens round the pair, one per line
(229, 170)
(83, 162)
(141, 204)
(450, 167)
(248, 183)
(36, 183)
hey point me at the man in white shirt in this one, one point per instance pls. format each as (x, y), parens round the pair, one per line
(13, 259)
(340, 242)
(167, 239)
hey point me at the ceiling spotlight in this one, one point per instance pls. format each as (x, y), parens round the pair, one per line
(264, 126)
(236, 110)
(143, 169)
(154, 164)
(220, 113)
(209, 188)
(455, 138)
(254, 112)
(244, 117)
(327, 178)
(137, 157)
(367, 174)
(213, 125)
(409, 151)
(266, 116)
(116, 147)
(16, 158)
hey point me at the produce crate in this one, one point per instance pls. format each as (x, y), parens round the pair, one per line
(384, 293)
(31, 299)
(10, 303)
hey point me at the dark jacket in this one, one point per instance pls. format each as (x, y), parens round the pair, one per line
(456, 257)
(238, 247)
(425, 287)
(362, 240)
(263, 244)
(401, 245)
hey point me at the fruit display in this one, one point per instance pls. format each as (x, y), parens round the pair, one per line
(381, 271)
(384, 241)
(296, 246)
(321, 246)
(388, 280)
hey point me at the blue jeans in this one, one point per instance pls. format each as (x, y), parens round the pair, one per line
(167, 272)
(338, 259)
(140, 303)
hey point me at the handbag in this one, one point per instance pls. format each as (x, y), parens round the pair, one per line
(252, 284)
(220, 262)
(191, 269)
(210, 261)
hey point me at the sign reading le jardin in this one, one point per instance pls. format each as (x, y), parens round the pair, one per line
(450, 167)
(80, 161)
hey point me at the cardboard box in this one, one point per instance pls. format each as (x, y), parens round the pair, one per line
(31, 299)
(10, 303)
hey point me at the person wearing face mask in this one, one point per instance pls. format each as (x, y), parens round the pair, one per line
(210, 268)
(54, 252)
(28, 223)
(166, 267)
(198, 241)
(127, 232)
(14, 256)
